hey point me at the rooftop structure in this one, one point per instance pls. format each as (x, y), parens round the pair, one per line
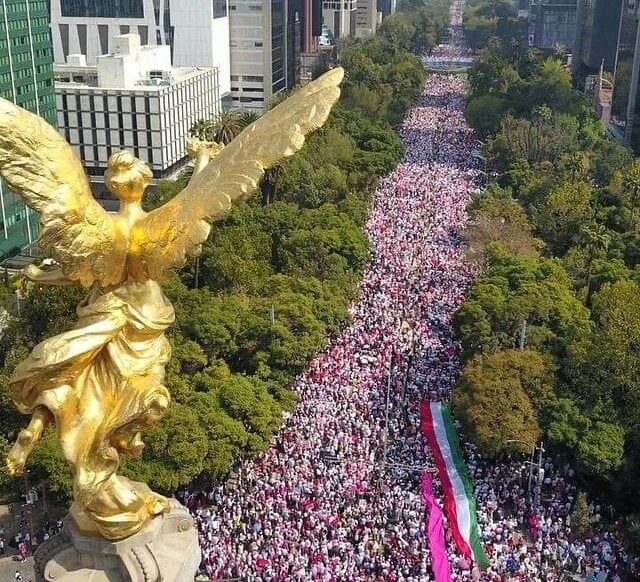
(196, 31)
(133, 98)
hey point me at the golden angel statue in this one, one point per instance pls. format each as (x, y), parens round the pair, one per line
(101, 383)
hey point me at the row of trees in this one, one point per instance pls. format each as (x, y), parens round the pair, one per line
(274, 280)
(551, 329)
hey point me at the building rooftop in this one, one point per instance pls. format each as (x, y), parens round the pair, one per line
(131, 66)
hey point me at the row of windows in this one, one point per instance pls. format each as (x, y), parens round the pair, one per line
(102, 9)
(34, 22)
(338, 5)
(24, 73)
(126, 102)
(245, 43)
(22, 25)
(23, 56)
(250, 7)
(20, 8)
(249, 78)
(249, 99)
(115, 137)
(174, 116)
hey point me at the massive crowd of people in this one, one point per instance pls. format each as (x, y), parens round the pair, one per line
(337, 495)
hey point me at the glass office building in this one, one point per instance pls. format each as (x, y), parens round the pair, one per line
(26, 78)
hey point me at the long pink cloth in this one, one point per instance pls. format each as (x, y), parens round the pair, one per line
(435, 532)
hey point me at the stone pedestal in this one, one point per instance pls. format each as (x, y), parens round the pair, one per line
(166, 550)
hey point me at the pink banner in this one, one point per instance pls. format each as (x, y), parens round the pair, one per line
(435, 532)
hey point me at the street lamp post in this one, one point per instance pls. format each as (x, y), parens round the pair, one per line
(404, 326)
(386, 412)
(406, 329)
(531, 463)
(540, 474)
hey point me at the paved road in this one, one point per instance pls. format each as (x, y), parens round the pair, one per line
(8, 570)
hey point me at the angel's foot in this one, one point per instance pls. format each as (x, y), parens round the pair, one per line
(27, 439)
(20, 451)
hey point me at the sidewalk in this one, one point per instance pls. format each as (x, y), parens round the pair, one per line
(8, 569)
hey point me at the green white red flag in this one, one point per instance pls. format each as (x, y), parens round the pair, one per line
(459, 503)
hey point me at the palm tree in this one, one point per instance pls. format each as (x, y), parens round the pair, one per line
(227, 125)
(277, 98)
(595, 240)
(202, 129)
(247, 117)
(631, 183)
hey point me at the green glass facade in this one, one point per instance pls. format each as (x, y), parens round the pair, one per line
(26, 78)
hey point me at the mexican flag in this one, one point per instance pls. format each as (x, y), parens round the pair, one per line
(459, 504)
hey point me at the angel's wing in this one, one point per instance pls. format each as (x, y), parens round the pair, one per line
(40, 166)
(163, 240)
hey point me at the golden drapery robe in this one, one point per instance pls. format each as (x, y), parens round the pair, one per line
(103, 382)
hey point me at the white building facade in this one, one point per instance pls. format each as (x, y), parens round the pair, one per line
(340, 17)
(197, 31)
(133, 99)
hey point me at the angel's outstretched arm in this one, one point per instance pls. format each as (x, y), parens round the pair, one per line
(202, 151)
(53, 276)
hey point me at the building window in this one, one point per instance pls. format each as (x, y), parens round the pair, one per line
(219, 8)
(102, 9)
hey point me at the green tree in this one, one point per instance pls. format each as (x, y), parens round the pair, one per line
(492, 401)
(609, 157)
(581, 516)
(499, 219)
(544, 139)
(595, 240)
(174, 451)
(613, 364)
(565, 422)
(563, 213)
(516, 289)
(601, 450)
(162, 192)
(631, 192)
(485, 113)
(551, 86)
(223, 129)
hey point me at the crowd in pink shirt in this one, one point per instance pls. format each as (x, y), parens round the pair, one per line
(337, 494)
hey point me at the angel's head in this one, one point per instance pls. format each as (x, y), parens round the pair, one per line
(127, 177)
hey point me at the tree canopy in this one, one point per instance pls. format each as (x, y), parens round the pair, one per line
(557, 236)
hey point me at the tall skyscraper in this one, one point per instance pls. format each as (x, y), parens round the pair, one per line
(311, 24)
(597, 35)
(196, 30)
(26, 78)
(552, 23)
(624, 107)
(386, 7)
(259, 30)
